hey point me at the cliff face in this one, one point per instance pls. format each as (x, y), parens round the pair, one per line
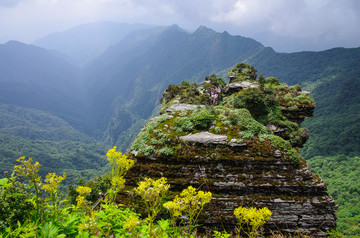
(243, 147)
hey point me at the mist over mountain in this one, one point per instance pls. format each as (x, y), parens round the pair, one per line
(42, 113)
(37, 78)
(85, 42)
(292, 44)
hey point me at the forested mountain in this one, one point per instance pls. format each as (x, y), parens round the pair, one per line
(110, 98)
(50, 140)
(85, 42)
(42, 113)
(36, 78)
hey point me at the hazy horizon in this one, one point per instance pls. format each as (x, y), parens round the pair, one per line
(286, 26)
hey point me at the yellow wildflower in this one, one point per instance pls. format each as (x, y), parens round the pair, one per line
(82, 190)
(131, 223)
(53, 181)
(252, 216)
(174, 208)
(189, 202)
(150, 189)
(152, 192)
(28, 169)
(80, 201)
(118, 182)
(120, 164)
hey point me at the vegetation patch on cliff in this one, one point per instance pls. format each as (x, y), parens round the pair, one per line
(252, 112)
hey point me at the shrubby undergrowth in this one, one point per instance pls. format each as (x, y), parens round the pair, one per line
(31, 207)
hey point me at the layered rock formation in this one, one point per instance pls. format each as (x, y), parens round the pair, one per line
(244, 150)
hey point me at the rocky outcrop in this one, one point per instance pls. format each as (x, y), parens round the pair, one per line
(241, 161)
(299, 114)
(246, 176)
(206, 138)
(236, 87)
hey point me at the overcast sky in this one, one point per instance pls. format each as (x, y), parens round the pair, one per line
(305, 24)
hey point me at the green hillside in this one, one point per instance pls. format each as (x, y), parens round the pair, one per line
(34, 124)
(76, 159)
(33, 77)
(341, 174)
(51, 141)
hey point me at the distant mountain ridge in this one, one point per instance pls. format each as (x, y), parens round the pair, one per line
(37, 78)
(42, 114)
(85, 42)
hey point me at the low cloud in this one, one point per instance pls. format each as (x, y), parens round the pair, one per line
(331, 20)
(9, 3)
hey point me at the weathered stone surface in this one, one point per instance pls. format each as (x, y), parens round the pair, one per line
(305, 92)
(300, 114)
(205, 138)
(243, 85)
(235, 87)
(182, 106)
(297, 197)
(209, 138)
(277, 153)
(276, 129)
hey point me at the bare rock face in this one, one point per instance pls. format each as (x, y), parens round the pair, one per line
(298, 115)
(242, 176)
(235, 87)
(205, 138)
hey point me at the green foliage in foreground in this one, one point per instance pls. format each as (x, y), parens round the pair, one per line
(31, 207)
(342, 173)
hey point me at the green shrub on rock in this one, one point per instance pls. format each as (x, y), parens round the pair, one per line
(203, 118)
(183, 124)
(166, 151)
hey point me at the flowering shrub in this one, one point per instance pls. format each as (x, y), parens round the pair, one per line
(53, 181)
(44, 215)
(189, 203)
(152, 192)
(83, 191)
(120, 164)
(51, 185)
(253, 218)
